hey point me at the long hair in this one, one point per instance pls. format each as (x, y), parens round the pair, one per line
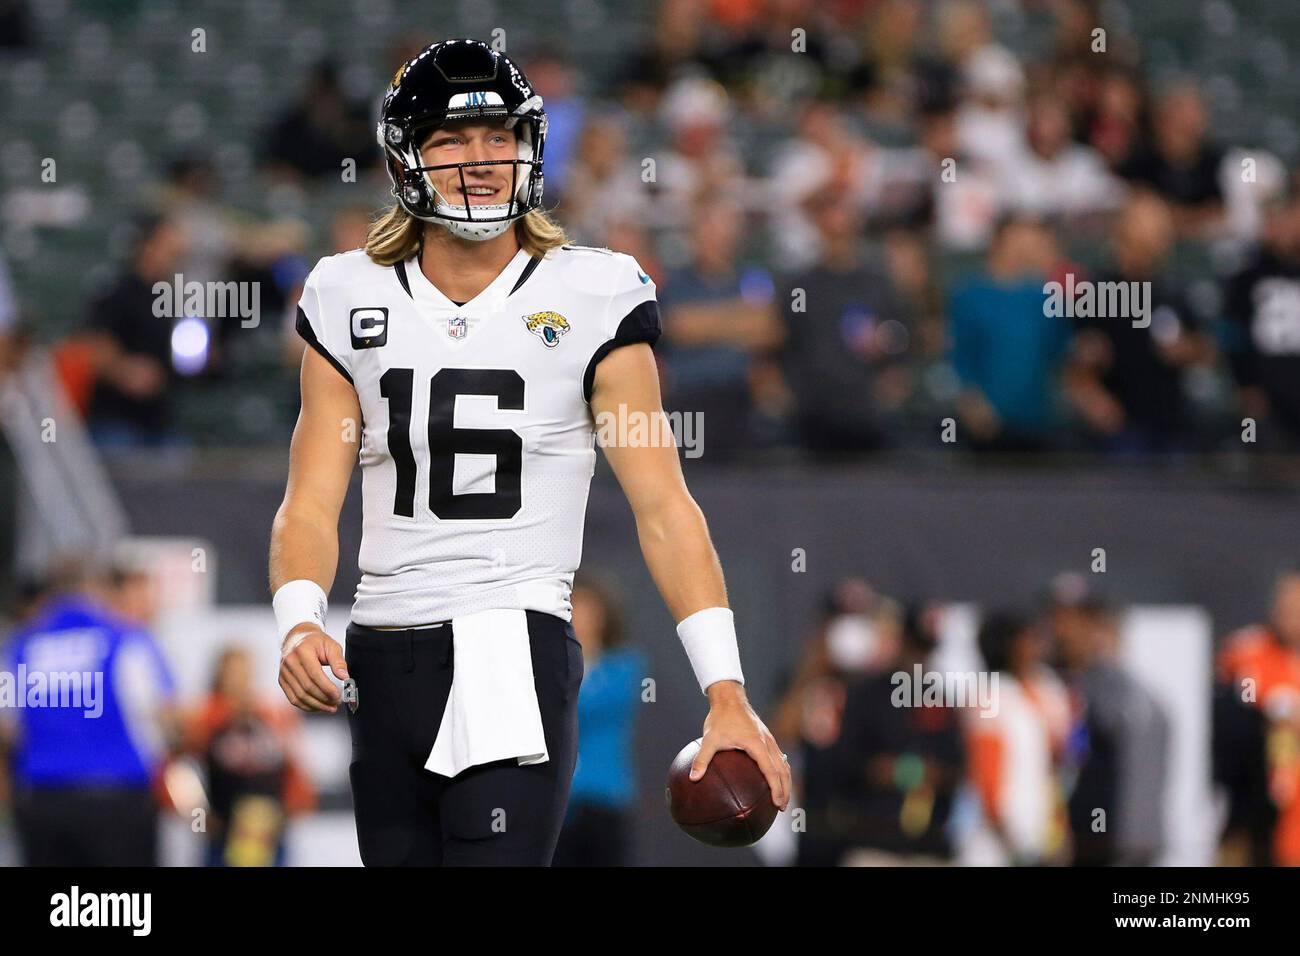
(395, 235)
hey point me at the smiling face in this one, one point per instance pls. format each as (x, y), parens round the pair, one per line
(473, 141)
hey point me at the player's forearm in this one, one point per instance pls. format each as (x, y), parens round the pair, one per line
(675, 543)
(303, 547)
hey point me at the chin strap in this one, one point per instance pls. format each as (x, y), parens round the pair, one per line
(469, 229)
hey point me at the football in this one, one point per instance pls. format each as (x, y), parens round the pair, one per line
(730, 806)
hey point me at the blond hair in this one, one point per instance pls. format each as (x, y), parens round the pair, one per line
(395, 235)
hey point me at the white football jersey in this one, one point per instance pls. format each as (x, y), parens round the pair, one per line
(478, 443)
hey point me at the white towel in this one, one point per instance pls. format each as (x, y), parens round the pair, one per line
(492, 711)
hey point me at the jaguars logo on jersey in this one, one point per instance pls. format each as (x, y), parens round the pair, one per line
(548, 326)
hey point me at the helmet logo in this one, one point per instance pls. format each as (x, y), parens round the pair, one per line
(477, 99)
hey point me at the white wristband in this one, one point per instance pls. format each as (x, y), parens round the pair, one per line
(298, 602)
(709, 637)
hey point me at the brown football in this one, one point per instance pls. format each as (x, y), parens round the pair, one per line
(731, 805)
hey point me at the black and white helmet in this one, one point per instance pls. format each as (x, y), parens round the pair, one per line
(453, 80)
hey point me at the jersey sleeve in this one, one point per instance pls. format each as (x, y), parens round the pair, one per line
(631, 317)
(326, 336)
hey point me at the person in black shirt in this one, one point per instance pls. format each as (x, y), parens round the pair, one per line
(1263, 308)
(317, 133)
(131, 345)
(1179, 162)
(245, 744)
(846, 348)
(897, 768)
(1127, 381)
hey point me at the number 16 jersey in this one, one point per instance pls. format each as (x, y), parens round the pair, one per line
(477, 439)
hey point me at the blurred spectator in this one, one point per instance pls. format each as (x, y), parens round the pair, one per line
(673, 46)
(718, 318)
(324, 127)
(845, 338)
(1123, 737)
(1262, 666)
(1015, 750)
(858, 634)
(991, 84)
(899, 766)
(566, 114)
(254, 784)
(964, 191)
(752, 40)
(131, 593)
(701, 160)
(1247, 199)
(1263, 307)
(84, 757)
(132, 346)
(598, 824)
(1006, 349)
(228, 245)
(1179, 162)
(219, 235)
(1239, 746)
(898, 70)
(347, 231)
(1129, 383)
(1114, 129)
(1054, 177)
(610, 188)
(826, 157)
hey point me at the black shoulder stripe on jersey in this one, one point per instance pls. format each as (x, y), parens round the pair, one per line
(523, 276)
(400, 269)
(309, 334)
(642, 324)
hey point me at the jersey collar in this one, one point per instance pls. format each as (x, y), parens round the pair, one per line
(426, 295)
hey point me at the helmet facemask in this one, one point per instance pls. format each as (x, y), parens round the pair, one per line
(415, 189)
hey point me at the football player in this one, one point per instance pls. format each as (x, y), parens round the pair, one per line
(463, 357)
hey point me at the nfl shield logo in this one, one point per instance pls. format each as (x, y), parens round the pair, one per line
(456, 326)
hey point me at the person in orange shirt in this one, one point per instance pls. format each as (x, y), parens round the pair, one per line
(1015, 749)
(1262, 664)
(254, 784)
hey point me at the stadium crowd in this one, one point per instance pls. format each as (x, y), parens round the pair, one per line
(852, 212)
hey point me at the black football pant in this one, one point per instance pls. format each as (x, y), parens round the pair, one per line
(494, 814)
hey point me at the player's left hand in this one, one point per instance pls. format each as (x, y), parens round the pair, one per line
(733, 725)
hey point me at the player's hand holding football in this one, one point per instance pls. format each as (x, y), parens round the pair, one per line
(733, 725)
(307, 651)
